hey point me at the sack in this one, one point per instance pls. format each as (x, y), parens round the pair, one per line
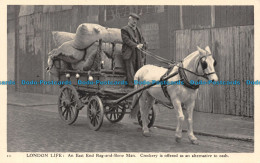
(106, 62)
(88, 62)
(61, 37)
(118, 49)
(92, 61)
(68, 53)
(56, 67)
(117, 57)
(118, 61)
(112, 35)
(78, 66)
(88, 33)
(108, 49)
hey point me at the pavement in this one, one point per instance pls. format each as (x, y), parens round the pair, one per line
(206, 124)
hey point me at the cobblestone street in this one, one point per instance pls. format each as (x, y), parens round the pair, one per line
(39, 129)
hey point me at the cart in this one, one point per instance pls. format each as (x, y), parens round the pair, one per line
(87, 91)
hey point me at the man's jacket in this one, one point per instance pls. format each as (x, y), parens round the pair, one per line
(129, 41)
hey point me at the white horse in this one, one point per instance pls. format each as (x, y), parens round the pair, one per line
(197, 64)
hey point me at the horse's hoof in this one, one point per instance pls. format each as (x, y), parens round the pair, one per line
(147, 134)
(195, 142)
(178, 139)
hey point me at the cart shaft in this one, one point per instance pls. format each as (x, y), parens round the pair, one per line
(141, 89)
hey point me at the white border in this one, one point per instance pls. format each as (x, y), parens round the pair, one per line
(21, 157)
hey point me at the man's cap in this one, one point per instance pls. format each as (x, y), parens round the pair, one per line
(134, 15)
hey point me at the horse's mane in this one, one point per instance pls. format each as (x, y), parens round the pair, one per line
(194, 57)
(193, 54)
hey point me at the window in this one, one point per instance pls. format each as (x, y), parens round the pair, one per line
(150, 9)
(113, 12)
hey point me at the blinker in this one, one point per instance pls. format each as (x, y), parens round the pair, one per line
(204, 65)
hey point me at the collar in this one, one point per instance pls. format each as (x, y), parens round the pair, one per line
(132, 26)
(185, 79)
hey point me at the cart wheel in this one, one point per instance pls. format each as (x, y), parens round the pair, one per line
(95, 113)
(151, 118)
(115, 114)
(67, 105)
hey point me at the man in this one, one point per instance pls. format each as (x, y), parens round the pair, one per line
(133, 41)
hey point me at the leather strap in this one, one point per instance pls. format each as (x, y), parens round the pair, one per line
(164, 86)
(185, 79)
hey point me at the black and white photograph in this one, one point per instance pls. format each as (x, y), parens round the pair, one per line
(139, 81)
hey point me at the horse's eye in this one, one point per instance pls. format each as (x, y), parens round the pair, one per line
(215, 63)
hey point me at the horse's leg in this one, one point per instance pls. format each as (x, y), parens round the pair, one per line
(180, 118)
(190, 108)
(149, 102)
(145, 102)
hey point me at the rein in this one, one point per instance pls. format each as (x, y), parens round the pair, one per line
(161, 59)
(172, 63)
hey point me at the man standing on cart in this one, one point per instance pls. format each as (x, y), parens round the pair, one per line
(133, 41)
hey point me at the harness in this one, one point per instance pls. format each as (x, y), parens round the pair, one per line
(181, 71)
(183, 76)
(164, 86)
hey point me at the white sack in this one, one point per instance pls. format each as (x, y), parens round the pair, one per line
(112, 35)
(117, 57)
(88, 33)
(89, 60)
(55, 67)
(67, 50)
(108, 48)
(106, 61)
(61, 37)
(118, 60)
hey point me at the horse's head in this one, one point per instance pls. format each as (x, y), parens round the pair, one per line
(207, 64)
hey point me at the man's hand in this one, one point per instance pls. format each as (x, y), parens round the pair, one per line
(140, 46)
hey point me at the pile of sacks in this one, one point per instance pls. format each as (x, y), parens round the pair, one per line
(79, 51)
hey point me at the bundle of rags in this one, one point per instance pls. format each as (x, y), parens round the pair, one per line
(65, 55)
(93, 58)
(88, 33)
(79, 51)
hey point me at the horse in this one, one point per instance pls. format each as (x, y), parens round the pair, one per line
(196, 65)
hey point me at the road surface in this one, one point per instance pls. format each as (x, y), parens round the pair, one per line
(39, 129)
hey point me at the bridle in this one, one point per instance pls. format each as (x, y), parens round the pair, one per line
(204, 65)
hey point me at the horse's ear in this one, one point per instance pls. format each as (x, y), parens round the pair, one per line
(201, 51)
(208, 50)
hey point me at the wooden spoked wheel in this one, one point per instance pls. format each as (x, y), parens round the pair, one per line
(151, 118)
(95, 113)
(67, 104)
(115, 114)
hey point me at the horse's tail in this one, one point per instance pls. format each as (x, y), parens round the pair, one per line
(135, 101)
